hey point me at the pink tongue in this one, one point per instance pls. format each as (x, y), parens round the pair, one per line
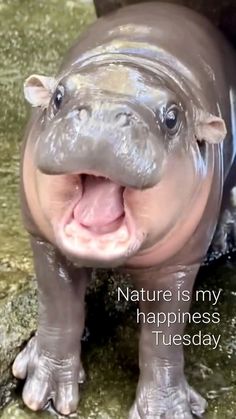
(101, 203)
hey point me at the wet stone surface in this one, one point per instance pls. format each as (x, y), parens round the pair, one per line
(34, 36)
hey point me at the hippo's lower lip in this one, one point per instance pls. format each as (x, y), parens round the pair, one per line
(81, 242)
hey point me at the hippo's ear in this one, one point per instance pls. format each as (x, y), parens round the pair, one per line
(38, 90)
(210, 128)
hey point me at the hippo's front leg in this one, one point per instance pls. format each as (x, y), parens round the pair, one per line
(51, 361)
(163, 391)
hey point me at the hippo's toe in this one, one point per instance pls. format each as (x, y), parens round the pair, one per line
(181, 402)
(197, 402)
(49, 379)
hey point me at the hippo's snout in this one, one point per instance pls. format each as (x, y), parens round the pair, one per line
(105, 114)
(114, 138)
(118, 118)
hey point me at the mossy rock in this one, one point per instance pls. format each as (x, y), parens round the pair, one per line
(18, 314)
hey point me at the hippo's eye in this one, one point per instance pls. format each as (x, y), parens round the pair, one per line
(172, 120)
(57, 98)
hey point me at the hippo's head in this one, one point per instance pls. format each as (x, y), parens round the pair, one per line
(122, 159)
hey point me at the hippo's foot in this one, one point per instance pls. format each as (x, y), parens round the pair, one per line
(181, 402)
(49, 379)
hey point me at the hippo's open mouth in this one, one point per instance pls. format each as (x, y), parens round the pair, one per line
(101, 207)
(99, 224)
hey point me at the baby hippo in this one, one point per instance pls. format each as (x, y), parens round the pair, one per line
(124, 165)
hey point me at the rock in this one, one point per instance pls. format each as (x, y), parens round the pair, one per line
(18, 314)
(106, 6)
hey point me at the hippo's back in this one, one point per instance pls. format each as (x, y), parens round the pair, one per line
(172, 36)
(163, 32)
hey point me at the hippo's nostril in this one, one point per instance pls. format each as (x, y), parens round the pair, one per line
(83, 114)
(123, 119)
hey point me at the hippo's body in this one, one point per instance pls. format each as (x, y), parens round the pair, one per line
(124, 164)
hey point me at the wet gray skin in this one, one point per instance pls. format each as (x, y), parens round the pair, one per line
(130, 132)
(116, 128)
(59, 356)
